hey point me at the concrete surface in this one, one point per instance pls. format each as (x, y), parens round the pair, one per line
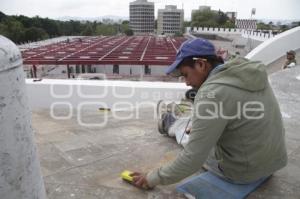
(82, 162)
(85, 162)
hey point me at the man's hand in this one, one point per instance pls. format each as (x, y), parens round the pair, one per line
(140, 181)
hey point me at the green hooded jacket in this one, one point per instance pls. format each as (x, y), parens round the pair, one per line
(237, 114)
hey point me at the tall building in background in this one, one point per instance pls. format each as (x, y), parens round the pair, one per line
(231, 15)
(201, 9)
(170, 20)
(141, 16)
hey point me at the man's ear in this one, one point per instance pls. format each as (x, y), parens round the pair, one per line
(200, 65)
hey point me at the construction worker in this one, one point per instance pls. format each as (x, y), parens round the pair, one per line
(290, 59)
(237, 131)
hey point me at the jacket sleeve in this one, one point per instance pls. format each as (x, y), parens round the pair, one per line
(207, 127)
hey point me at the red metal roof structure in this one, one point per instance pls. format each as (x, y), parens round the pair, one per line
(133, 50)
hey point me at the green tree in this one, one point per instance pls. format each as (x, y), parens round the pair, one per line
(106, 29)
(33, 34)
(126, 29)
(12, 29)
(229, 24)
(128, 32)
(208, 18)
(88, 31)
(221, 18)
(2, 16)
(204, 18)
(283, 28)
(21, 28)
(70, 28)
(263, 26)
(178, 34)
(186, 24)
(125, 22)
(37, 22)
(50, 26)
(26, 21)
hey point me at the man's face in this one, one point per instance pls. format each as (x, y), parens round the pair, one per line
(195, 76)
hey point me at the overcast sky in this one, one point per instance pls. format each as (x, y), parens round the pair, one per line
(265, 9)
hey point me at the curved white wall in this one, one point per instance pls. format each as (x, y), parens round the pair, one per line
(274, 48)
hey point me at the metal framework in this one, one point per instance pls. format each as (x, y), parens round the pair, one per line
(122, 50)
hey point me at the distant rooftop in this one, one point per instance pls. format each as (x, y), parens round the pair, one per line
(135, 50)
(141, 2)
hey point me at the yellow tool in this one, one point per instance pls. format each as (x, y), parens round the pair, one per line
(125, 175)
(104, 109)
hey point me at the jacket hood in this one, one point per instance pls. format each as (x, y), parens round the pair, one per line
(241, 73)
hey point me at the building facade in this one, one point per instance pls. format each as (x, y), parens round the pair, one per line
(248, 24)
(231, 15)
(141, 17)
(201, 9)
(170, 20)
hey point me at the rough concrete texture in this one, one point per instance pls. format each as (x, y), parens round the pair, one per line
(19, 166)
(85, 162)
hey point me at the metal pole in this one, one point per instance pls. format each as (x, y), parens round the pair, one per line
(68, 71)
(19, 164)
(34, 71)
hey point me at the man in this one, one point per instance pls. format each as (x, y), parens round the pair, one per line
(290, 59)
(237, 131)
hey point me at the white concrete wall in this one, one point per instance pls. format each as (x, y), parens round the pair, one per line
(74, 94)
(214, 30)
(138, 70)
(124, 70)
(158, 70)
(260, 36)
(57, 70)
(135, 69)
(99, 68)
(107, 69)
(276, 47)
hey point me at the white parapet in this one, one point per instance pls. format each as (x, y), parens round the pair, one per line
(94, 94)
(19, 164)
(274, 48)
(252, 34)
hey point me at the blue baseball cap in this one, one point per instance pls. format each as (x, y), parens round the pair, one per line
(190, 48)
